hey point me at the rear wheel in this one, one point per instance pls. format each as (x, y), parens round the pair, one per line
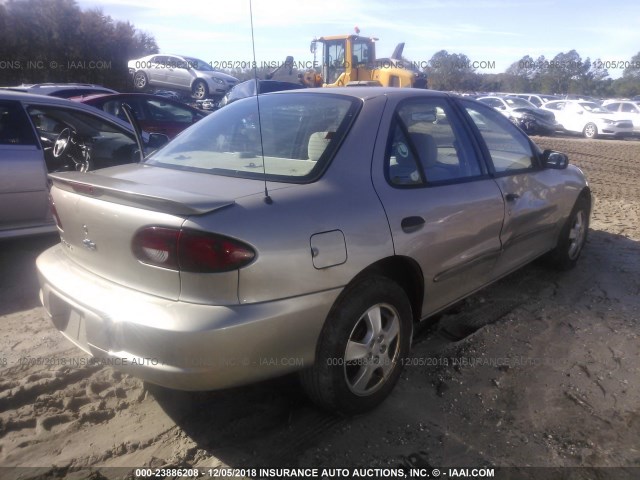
(572, 237)
(360, 352)
(140, 81)
(590, 130)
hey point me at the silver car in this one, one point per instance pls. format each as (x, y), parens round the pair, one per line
(41, 134)
(310, 235)
(180, 73)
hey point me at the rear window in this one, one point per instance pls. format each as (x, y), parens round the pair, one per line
(300, 134)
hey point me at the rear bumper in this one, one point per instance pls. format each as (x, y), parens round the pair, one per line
(177, 344)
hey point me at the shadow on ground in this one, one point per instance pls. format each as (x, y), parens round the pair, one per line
(273, 424)
(18, 277)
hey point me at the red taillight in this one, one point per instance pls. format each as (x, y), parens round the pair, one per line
(206, 252)
(157, 246)
(190, 250)
(54, 212)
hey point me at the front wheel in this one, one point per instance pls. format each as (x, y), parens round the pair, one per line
(572, 237)
(590, 130)
(199, 90)
(140, 81)
(361, 348)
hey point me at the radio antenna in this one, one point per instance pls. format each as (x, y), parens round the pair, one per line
(267, 198)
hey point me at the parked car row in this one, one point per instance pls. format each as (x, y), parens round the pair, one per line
(572, 114)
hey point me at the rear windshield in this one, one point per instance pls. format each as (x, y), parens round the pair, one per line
(300, 133)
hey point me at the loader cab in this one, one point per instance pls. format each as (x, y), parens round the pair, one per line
(346, 58)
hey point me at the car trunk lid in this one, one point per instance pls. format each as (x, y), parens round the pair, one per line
(100, 213)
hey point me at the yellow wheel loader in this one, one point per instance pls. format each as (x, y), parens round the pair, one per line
(351, 60)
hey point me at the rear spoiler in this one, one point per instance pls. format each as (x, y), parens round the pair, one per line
(139, 195)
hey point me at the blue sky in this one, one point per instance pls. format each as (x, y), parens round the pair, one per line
(496, 31)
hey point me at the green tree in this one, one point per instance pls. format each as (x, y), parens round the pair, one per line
(56, 41)
(633, 69)
(520, 75)
(592, 80)
(451, 71)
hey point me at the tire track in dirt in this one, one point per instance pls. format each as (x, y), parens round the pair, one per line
(39, 402)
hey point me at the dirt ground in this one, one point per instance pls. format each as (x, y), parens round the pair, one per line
(539, 370)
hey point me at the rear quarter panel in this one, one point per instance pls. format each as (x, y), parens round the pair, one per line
(342, 199)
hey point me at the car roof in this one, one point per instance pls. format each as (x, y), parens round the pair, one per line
(125, 95)
(22, 96)
(48, 88)
(364, 93)
(83, 98)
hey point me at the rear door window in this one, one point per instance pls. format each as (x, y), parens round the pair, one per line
(426, 146)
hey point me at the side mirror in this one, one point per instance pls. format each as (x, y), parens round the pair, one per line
(556, 160)
(157, 140)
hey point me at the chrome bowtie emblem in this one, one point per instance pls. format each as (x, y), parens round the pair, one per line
(87, 243)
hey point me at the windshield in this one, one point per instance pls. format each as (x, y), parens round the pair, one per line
(593, 107)
(334, 61)
(198, 64)
(515, 102)
(300, 134)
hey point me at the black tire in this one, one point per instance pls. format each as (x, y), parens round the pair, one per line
(199, 90)
(573, 237)
(140, 81)
(332, 381)
(590, 130)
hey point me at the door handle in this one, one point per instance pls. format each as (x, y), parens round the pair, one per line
(411, 224)
(510, 197)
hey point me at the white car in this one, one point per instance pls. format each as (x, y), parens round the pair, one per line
(176, 72)
(628, 108)
(589, 119)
